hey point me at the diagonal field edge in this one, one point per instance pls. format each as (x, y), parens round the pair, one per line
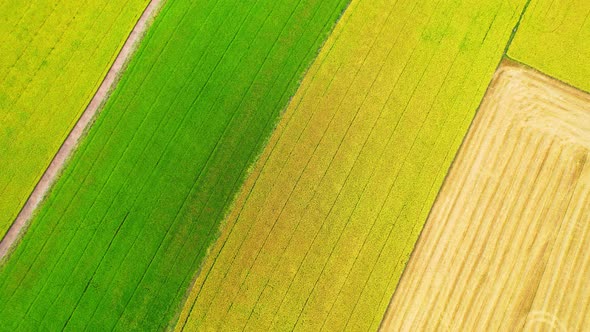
(505, 56)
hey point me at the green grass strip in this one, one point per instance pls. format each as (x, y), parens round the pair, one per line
(126, 227)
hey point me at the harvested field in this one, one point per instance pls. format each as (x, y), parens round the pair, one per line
(119, 238)
(505, 246)
(324, 225)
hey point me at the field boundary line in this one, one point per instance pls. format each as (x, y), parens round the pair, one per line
(84, 121)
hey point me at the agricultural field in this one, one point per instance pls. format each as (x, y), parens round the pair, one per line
(325, 223)
(554, 37)
(54, 56)
(505, 246)
(308, 165)
(122, 233)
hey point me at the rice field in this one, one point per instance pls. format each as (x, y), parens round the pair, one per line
(293, 165)
(324, 225)
(122, 233)
(554, 37)
(54, 56)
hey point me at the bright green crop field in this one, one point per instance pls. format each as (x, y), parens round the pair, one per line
(124, 230)
(53, 57)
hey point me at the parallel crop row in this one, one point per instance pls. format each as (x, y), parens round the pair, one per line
(124, 230)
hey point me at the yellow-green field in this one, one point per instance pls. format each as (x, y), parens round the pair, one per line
(554, 37)
(269, 165)
(54, 56)
(118, 240)
(326, 221)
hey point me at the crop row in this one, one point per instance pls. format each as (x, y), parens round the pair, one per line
(325, 223)
(125, 228)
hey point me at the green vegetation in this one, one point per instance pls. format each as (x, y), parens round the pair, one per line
(54, 56)
(124, 230)
(554, 37)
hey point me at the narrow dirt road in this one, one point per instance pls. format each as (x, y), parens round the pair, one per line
(68, 146)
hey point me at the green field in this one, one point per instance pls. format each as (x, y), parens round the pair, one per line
(54, 56)
(124, 230)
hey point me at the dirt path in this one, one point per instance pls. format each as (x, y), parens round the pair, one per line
(71, 141)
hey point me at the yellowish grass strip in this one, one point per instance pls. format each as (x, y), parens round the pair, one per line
(55, 55)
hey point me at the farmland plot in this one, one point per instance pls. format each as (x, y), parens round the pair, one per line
(554, 37)
(54, 56)
(505, 247)
(124, 230)
(325, 223)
